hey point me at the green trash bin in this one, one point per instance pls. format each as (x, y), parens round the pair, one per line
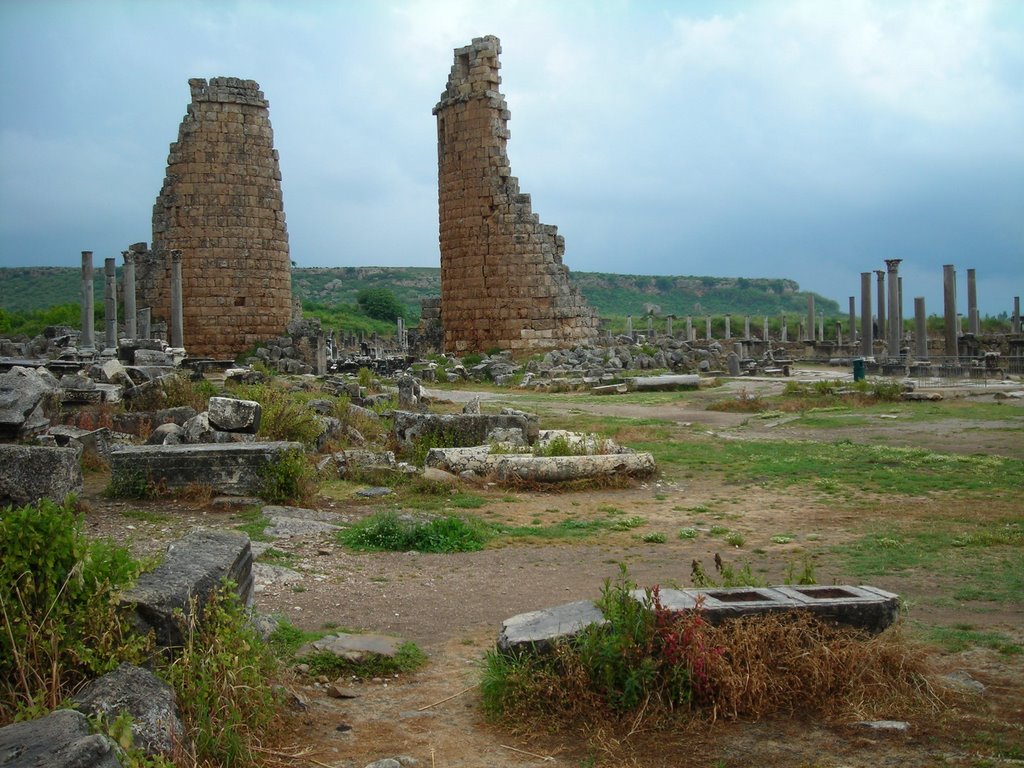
(858, 369)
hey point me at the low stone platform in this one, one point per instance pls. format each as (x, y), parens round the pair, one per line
(525, 467)
(233, 468)
(862, 607)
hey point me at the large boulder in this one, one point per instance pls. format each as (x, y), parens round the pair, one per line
(194, 567)
(25, 397)
(29, 473)
(156, 720)
(62, 739)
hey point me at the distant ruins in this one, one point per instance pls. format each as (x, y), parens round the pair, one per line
(221, 207)
(503, 283)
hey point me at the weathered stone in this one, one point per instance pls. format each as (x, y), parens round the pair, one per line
(538, 631)
(265, 575)
(156, 720)
(29, 473)
(25, 397)
(193, 568)
(232, 468)
(671, 382)
(231, 415)
(458, 429)
(517, 467)
(288, 522)
(62, 739)
(153, 358)
(166, 434)
(439, 476)
(244, 376)
(198, 430)
(353, 647)
(485, 220)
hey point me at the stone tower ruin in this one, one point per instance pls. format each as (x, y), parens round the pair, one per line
(503, 283)
(221, 206)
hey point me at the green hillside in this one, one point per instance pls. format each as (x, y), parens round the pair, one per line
(24, 289)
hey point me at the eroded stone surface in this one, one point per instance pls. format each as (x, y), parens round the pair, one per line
(231, 415)
(353, 647)
(193, 568)
(62, 739)
(537, 631)
(30, 473)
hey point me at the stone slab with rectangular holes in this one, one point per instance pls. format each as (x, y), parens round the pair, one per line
(234, 468)
(863, 607)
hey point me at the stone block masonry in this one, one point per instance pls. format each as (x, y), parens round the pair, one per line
(221, 206)
(503, 283)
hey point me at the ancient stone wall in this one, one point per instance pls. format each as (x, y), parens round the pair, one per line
(503, 283)
(221, 206)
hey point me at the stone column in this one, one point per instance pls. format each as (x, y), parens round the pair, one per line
(949, 309)
(899, 293)
(668, 324)
(765, 330)
(1016, 314)
(145, 315)
(973, 319)
(959, 324)
(689, 328)
(853, 319)
(892, 266)
(810, 318)
(746, 327)
(86, 340)
(629, 326)
(865, 314)
(920, 329)
(707, 327)
(650, 324)
(110, 303)
(839, 334)
(880, 274)
(177, 310)
(821, 327)
(784, 333)
(728, 326)
(128, 291)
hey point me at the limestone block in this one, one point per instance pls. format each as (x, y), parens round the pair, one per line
(538, 631)
(231, 415)
(193, 568)
(31, 473)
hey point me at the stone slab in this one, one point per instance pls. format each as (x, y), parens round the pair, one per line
(353, 647)
(233, 468)
(661, 383)
(538, 631)
(193, 567)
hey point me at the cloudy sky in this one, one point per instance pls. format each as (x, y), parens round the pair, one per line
(805, 140)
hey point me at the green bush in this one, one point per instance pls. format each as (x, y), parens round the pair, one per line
(284, 416)
(380, 304)
(133, 484)
(289, 478)
(61, 624)
(387, 531)
(408, 658)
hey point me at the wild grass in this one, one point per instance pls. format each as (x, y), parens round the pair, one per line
(842, 466)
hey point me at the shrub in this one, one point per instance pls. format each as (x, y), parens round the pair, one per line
(289, 478)
(132, 484)
(408, 658)
(61, 624)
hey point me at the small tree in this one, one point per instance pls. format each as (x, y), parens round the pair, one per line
(380, 304)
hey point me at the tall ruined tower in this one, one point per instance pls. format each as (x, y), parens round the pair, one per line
(503, 283)
(221, 206)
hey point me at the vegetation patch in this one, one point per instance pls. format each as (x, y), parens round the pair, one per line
(648, 666)
(387, 531)
(289, 478)
(408, 658)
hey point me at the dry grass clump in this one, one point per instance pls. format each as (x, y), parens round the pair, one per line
(746, 668)
(795, 662)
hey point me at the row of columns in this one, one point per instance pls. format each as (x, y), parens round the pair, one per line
(893, 299)
(87, 338)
